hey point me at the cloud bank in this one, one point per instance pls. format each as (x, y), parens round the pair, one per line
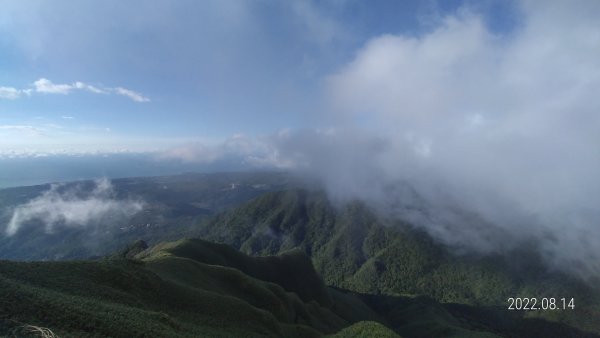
(45, 86)
(486, 140)
(72, 207)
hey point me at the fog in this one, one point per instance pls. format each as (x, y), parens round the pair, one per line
(72, 207)
(486, 140)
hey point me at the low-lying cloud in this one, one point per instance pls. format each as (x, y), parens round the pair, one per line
(485, 140)
(72, 207)
(506, 126)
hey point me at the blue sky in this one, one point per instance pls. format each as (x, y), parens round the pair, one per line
(201, 70)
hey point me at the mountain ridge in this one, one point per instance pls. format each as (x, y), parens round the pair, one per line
(293, 261)
(354, 249)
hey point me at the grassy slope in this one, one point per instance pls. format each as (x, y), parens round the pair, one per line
(328, 309)
(352, 250)
(191, 288)
(365, 330)
(292, 270)
(171, 295)
(121, 299)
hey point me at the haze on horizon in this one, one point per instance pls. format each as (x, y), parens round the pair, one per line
(489, 108)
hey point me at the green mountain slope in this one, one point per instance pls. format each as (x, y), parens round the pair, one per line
(194, 288)
(355, 250)
(365, 330)
(304, 269)
(292, 270)
(170, 295)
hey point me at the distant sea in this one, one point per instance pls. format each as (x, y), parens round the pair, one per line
(61, 168)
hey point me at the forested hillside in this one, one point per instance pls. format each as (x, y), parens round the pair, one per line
(304, 268)
(354, 249)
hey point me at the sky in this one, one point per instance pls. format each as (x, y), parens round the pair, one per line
(148, 75)
(440, 112)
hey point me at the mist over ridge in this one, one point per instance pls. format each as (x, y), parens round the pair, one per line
(496, 134)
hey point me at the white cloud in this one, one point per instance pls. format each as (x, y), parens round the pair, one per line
(254, 151)
(46, 86)
(65, 152)
(509, 124)
(10, 93)
(72, 207)
(135, 96)
(90, 88)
